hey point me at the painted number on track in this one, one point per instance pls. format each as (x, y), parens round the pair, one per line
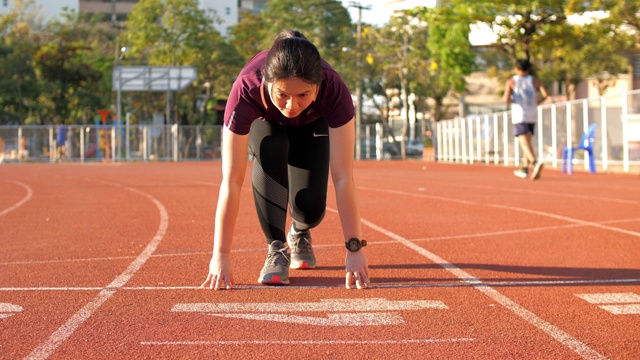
(7, 310)
(615, 303)
(339, 312)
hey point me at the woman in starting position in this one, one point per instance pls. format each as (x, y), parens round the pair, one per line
(294, 113)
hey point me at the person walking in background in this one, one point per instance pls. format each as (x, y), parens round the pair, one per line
(61, 141)
(521, 93)
(294, 113)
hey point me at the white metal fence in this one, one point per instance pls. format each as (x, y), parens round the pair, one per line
(91, 143)
(477, 138)
(110, 142)
(489, 138)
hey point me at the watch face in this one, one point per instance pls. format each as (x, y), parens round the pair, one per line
(353, 245)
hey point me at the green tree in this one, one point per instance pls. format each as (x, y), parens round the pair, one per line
(621, 13)
(372, 70)
(179, 33)
(22, 32)
(517, 24)
(450, 54)
(572, 53)
(428, 48)
(68, 67)
(248, 36)
(326, 23)
(397, 48)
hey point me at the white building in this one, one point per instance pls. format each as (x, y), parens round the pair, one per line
(227, 11)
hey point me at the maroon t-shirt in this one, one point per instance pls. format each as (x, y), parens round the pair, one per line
(245, 103)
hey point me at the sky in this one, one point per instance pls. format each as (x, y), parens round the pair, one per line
(381, 9)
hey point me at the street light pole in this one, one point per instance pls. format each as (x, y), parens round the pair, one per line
(358, 117)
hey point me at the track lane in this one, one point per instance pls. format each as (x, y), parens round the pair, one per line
(138, 318)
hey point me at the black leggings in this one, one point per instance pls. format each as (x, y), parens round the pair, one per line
(291, 167)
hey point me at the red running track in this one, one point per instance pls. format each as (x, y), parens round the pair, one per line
(104, 262)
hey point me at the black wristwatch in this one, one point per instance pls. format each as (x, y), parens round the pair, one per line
(355, 244)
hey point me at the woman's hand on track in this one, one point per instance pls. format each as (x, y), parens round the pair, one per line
(357, 270)
(219, 276)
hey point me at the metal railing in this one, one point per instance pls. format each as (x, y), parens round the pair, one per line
(141, 142)
(86, 143)
(488, 138)
(476, 138)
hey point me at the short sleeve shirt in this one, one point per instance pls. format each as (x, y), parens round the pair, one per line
(245, 104)
(524, 100)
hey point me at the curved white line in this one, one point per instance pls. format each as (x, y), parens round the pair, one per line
(22, 201)
(56, 339)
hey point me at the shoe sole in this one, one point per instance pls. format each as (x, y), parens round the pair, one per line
(536, 171)
(274, 280)
(520, 175)
(302, 266)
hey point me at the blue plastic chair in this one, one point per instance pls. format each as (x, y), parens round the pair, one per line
(586, 144)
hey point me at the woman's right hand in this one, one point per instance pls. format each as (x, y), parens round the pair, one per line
(219, 276)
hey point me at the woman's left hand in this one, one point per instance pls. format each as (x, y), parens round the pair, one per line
(357, 270)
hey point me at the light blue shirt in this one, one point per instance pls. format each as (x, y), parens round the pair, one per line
(524, 100)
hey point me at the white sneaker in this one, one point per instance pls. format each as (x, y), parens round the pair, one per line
(537, 168)
(302, 256)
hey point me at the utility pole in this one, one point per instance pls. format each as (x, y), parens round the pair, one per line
(358, 117)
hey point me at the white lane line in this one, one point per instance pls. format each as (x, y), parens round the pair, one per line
(47, 348)
(309, 342)
(521, 231)
(545, 193)
(566, 218)
(48, 288)
(325, 246)
(540, 283)
(564, 338)
(512, 208)
(561, 336)
(22, 201)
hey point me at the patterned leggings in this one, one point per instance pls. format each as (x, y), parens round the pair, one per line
(291, 168)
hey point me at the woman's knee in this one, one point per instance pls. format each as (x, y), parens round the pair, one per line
(308, 208)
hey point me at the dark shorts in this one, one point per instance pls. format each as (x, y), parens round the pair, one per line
(523, 129)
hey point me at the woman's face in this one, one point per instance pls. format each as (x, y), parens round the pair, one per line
(292, 95)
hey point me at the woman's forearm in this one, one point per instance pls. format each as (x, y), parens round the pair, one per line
(348, 211)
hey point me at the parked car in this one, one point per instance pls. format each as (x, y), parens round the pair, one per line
(389, 150)
(414, 148)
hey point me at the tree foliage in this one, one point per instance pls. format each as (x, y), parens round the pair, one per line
(179, 33)
(518, 24)
(61, 70)
(573, 53)
(68, 64)
(22, 33)
(326, 23)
